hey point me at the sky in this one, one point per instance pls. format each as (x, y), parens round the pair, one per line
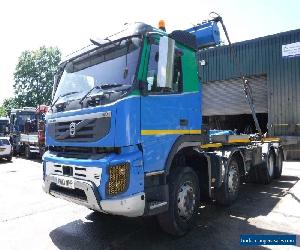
(30, 24)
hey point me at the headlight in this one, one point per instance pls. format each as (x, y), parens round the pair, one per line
(118, 178)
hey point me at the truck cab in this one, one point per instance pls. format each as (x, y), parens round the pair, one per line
(120, 109)
(18, 120)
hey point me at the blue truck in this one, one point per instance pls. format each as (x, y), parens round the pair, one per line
(124, 133)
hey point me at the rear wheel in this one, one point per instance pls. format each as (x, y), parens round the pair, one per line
(266, 169)
(184, 197)
(279, 163)
(228, 192)
(271, 164)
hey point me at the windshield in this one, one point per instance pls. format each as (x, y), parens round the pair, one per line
(21, 119)
(115, 65)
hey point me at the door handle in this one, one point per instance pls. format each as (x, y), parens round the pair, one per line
(183, 122)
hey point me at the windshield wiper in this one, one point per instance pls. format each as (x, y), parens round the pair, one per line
(70, 93)
(56, 100)
(110, 85)
(87, 94)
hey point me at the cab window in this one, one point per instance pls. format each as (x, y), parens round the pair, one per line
(177, 83)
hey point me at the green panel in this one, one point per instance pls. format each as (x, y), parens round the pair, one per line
(142, 70)
(143, 62)
(189, 70)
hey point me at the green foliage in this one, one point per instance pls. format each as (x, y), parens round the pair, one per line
(34, 76)
(2, 111)
(7, 105)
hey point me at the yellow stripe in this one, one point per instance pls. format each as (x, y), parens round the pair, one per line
(239, 140)
(170, 132)
(271, 139)
(211, 145)
(268, 139)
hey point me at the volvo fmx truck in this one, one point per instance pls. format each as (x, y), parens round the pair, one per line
(125, 135)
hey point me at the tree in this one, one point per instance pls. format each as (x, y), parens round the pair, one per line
(7, 105)
(2, 111)
(34, 76)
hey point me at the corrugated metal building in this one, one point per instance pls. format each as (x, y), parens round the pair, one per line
(272, 65)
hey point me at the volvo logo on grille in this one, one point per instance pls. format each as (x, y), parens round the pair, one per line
(72, 129)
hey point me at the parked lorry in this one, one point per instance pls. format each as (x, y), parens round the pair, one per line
(125, 135)
(28, 130)
(18, 119)
(4, 126)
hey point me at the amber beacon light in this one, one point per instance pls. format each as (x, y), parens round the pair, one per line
(161, 25)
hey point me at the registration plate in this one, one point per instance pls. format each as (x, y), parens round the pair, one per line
(65, 182)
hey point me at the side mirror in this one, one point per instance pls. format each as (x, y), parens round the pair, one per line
(165, 62)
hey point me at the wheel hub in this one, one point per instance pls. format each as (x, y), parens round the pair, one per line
(186, 200)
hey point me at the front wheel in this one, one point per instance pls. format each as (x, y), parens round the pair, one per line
(184, 198)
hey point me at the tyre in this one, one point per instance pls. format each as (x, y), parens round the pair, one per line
(28, 154)
(9, 158)
(266, 169)
(228, 192)
(184, 197)
(271, 163)
(278, 166)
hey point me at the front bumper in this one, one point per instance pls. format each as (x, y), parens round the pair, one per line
(5, 155)
(132, 206)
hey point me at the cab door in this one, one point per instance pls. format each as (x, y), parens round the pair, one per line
(161, 106)
(164, 108)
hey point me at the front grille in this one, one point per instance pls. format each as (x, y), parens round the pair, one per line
(82, 152)
(88, 130)
(92, 174)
